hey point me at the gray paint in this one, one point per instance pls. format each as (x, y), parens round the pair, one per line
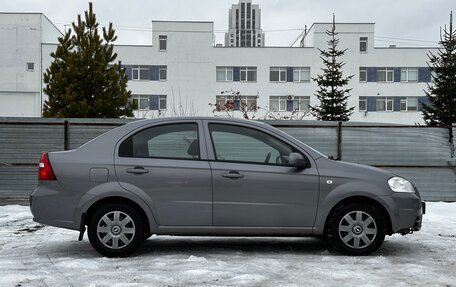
(190, 196)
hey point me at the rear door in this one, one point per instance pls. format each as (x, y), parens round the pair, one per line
(168, 163)
(252, 184)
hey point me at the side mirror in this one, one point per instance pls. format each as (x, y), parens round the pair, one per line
(297, 160)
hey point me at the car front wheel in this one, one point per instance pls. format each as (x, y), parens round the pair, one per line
(116, 230)
(356, 229)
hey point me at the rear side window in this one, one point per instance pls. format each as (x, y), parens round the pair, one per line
(176, 141)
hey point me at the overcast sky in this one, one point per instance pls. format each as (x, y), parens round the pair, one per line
(400, 22)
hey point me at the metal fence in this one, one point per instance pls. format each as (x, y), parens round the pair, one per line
(419, 153)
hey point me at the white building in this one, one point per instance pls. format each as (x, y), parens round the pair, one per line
(244, 25)
(182, 72)
(22, 37)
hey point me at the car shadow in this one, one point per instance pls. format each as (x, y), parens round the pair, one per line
(206, 245)
(249, 246)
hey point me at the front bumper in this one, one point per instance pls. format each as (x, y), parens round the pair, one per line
(406, 212)
(419, 218)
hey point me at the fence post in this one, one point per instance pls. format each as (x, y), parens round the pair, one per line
(65, 135)
(339, 141)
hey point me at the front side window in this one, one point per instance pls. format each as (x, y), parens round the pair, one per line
(384, 104)
(166, 141)
(385, 75)
(301, 74)
(277, 74)
(409, 74)
(224, 74)
(140, 73)
(248, 74)
(362, 74)
(409, 104)
(362, 104)
(241, 144)
(163, 39)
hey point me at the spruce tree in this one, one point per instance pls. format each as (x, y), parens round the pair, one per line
(441, 93)
(331, 92)
(83, 80)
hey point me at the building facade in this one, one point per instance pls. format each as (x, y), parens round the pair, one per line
(22, 36)
(244, 25)
(182, 73)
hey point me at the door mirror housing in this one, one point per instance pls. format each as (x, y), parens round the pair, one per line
(297, 160)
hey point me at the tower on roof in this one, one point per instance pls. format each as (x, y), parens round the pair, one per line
(244, 25)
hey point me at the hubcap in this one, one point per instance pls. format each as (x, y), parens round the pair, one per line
(116, 229)
(357, 229)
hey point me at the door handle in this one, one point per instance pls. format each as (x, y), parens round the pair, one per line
(233, 174)
(137, 170)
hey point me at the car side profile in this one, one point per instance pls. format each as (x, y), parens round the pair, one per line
(217, 177)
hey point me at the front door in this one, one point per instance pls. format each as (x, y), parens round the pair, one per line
(164, 162)
(252, 184)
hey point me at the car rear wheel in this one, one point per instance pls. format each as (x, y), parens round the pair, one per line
(116, 230)
(356, 229)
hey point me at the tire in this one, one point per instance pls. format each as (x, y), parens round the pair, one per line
(116, 230)
(356, 229)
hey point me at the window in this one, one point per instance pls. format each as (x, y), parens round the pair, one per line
(30, 67)
(140, 102)
(162, 73)
(140, 73)
(165, 141)
(279, 103)
(362, 104)
(363, 44)
(301, 103)
(241, 144)
(162, 102)
(384, 104)
(250, 102)
(409, 74)
(385, 75)
(224, 101)
(362, 74)
(227, 102)
(409, 104)
(148, 102)
(248, 74)
(224, 74)
(301, 74)
(278, 74)
(162, 42)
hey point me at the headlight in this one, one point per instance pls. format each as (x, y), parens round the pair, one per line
(398, 184)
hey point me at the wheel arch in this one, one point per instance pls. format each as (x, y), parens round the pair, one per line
(85, 217)
(363, 200)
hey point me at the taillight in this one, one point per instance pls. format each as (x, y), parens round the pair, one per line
(45, 170)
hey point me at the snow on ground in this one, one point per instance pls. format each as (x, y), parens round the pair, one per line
(35, 255)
